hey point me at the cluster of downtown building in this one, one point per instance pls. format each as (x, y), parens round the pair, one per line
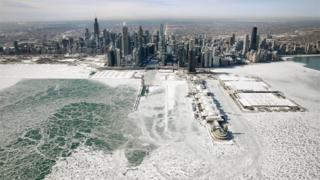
(140, 47)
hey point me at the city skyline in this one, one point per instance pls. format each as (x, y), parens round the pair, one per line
(49, 10)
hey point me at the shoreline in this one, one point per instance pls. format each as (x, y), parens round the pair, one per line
(286, 57)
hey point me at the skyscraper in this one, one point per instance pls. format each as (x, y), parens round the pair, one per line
(118, 56)
(96, 28)
(113, 56)
(87, 34)
(140, 36)
(16, 46)
(125, 40)
(182, 55)
(254, 39)
(192, 61)
(232, 39)
(137, 56)
(162, 48)
(207, 55)
(245, 45)
(161, 31)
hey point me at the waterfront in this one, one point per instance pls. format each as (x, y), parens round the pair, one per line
(312, 62)
(141, 144)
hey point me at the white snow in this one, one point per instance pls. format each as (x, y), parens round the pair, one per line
(247, 85)
(134, 83)
(90, 163)
(13, 73)
(43, 71)
(111, 74)
(263, 99)
(231, 77)
(288, 142)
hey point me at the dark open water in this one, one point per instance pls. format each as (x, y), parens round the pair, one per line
(310, 62)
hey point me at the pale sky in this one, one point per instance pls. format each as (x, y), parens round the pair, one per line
(51, 10)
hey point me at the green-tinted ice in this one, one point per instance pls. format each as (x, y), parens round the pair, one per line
(88, 113)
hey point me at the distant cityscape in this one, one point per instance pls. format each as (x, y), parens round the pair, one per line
(141, 47)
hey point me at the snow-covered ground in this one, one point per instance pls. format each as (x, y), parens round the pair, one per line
(114, 74)
(12, 73)
(247, 86)
(289, 142)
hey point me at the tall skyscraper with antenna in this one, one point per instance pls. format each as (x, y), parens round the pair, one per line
(254, 39)
(141, 37)
(245, 45)
(125, 40)
(96, 28)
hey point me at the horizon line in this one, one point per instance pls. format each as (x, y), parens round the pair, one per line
(232, 18)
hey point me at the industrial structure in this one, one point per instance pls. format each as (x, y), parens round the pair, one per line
(205, 109)
(253, 94)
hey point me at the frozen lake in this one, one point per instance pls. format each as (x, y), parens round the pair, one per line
(44, 120)
(60, 123)
(47, 112)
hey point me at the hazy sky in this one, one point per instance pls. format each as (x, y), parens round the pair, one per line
(43, 10)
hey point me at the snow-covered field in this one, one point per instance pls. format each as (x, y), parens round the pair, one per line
(247, 86)
(263, 99)
(277, 145)
(12, 73)
(111, 74)
(289, 142)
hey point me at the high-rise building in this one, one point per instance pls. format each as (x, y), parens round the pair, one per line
(155, 39)
(136, 56)
(162, 45)
(263, 44)
(215, 61)
(125, 40)
(105, 33)
(254, 39)
(161, 32)
(192, 61)
(118, 56)
(1, 50)
(182, 55)
(206, 58)
(96, 28)
(16, 46)
(232, 39)
(140, 37)
(87, 34)
(245, 45)
(147, 37)
(135, 39)
(113, 56)
(150, 49)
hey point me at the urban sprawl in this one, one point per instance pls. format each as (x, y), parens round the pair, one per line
(141, 48)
